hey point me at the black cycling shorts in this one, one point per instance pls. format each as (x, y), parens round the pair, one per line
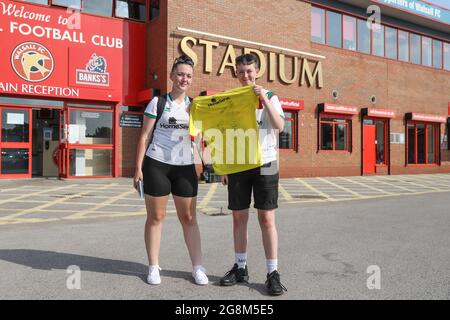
(161, 179)
(264, 187)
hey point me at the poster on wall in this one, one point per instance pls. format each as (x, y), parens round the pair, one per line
(128, 120)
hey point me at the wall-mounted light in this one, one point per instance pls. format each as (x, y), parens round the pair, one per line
(154, 76)
(335, 94)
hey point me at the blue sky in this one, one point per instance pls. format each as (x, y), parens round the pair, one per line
(442, 3)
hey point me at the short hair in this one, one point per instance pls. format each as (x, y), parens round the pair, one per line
(247, 59)
(183, 59)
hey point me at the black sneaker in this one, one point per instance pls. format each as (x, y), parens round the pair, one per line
(273, 283)
(234, 276)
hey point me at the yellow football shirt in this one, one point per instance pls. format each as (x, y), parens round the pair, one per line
(228, 123)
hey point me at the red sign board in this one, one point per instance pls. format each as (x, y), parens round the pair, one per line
(381, 113)
(428, 117)
(292, 104)
(341, 109)
(59, 53)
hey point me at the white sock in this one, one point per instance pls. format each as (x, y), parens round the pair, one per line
(240, 259)
(154, 266)
(272, 265)
(197, 267)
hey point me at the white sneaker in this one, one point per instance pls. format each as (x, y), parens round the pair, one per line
(200, 276)
(153, 275)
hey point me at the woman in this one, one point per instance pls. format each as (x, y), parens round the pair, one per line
(167, 166)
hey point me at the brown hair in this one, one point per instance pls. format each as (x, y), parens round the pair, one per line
(183, 59)
(247, 59)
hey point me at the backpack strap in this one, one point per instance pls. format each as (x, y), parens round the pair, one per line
(159, 111)
(160, 106)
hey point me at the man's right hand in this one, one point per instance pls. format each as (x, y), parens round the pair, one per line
(224, 180)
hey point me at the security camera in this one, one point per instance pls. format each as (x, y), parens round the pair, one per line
(335, 94)
(373, 99)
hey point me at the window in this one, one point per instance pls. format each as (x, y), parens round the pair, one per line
(378, 40)
(437, 54)
(36, 1)
(154, 9)
(415, 48)
(381, 132)
(349, 33)
(318, 25)
(447, 56)
(288, 137)
(90, 162)
(334, 29)
(99, 7)
(426, 51)
(133, 9)
(90, 127)
(15, 125)
(391, 43)
(403, 45)
(364, 42)
(423, 142)
(335, 134)
(67, 3)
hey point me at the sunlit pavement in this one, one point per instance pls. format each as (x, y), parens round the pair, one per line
(49, 200)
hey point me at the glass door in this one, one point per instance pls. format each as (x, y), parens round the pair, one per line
(90, 142)
(15, 142)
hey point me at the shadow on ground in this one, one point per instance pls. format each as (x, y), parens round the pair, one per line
(50, 260)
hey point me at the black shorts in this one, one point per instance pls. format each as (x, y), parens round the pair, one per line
(160, 179)
(264, 187)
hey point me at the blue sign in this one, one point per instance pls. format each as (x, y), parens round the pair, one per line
(420, 8)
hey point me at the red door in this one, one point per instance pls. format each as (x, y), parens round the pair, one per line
(369, 149)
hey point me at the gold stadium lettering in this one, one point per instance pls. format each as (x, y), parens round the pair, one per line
(286, 69)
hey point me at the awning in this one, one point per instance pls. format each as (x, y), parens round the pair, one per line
(337, 108)
(425, 117)
(378, 113)
(144, 96)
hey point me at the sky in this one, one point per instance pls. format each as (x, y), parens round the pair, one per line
(442, 3)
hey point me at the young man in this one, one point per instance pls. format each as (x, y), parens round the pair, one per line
(262, 181)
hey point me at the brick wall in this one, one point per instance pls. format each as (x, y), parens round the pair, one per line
(399, 86)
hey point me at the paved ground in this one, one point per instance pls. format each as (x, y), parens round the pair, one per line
(332, 232)
(51, 200)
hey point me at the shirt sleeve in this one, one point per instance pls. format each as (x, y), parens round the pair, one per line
(277, 105)
(152, 108)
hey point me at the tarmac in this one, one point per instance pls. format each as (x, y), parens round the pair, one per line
(50, 200)
(376, 238)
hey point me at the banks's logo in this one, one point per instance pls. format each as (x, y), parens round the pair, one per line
(95, 73)
(32, 61)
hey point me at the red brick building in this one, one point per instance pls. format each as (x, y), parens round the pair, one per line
(365, 85)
